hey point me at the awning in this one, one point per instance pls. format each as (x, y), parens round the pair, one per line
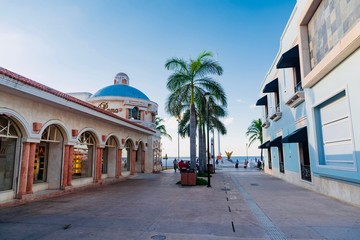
(272, 86)
(299, 135)
(289, 58)
(265, 145)
(276, 142)
(262, 101)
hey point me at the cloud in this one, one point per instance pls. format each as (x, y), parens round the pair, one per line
(228, 121)
(240, 100)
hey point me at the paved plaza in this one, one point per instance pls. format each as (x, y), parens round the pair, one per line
(241, 204)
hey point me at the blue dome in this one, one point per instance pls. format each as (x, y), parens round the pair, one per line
(120, 90)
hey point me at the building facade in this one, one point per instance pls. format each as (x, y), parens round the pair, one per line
(50, 140)
(309, 97)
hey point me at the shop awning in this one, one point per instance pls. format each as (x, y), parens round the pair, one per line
(262, 101)
(272, 86)
(299, 135)
(276, 142)
(265, 145)
(289, 59)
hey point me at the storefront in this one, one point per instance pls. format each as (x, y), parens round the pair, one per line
(63, 142)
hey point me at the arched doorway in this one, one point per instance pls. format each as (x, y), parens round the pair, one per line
(127, 155)
(109, 157)
(84, 155)
(9, 152)
(48, 158)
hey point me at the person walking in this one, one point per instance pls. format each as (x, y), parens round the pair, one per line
(176, 165)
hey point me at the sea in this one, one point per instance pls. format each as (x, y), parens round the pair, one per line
(168, 164)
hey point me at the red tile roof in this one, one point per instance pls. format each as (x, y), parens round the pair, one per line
(65, 96)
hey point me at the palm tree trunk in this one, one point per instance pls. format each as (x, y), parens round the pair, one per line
(192, 137)
(201, 147)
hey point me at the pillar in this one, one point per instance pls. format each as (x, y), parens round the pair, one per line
(99, 156)
(66, 166)
(24, 168)
(133, 162)
(143, 161)
(30, 174)
(69, 165)
(119, 163)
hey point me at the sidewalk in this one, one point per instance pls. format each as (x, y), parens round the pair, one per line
(241, 204)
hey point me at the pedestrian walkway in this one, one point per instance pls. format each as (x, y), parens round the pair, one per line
(241, 204)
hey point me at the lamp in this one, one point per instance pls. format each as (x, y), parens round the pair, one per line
(178, 120)
(207, 96)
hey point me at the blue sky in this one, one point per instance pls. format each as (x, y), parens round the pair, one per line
(79, 46)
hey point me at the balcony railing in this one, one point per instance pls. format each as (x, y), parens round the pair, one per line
(282, 169)
(277, 115)
(306, 172)
(298, 87)
(298, 96)
(266, 122)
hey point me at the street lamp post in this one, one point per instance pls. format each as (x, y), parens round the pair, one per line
(247, 159)
(178, 120)
(207, 95)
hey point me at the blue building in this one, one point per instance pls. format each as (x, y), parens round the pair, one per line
(310, 118)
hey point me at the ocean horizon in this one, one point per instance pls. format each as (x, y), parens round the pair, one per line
(169, 163)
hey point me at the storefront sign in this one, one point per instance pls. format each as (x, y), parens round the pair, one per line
(105, 106)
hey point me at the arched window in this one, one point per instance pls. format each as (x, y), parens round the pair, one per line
(8, 143)
(135, 114)
(83, 156)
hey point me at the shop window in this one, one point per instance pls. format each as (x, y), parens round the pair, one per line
(269, 158)
(40, 163)
(334, 130)
(281, 160)
(8, 143)
(83, 156)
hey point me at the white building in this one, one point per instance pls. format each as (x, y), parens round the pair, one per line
(50, 140)
(311, 121)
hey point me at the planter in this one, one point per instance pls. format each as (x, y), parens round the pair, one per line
(188, 178)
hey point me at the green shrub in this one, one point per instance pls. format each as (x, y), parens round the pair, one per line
(202, 174)
(201, 181)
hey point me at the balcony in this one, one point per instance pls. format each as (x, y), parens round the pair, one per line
(266, 123)
(297, 98)
(277, 115)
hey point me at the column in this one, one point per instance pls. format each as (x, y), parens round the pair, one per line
(69, 165)
(119, 163)
(143, 161)
(133, 162)
(24, 168)
(30, 175)
(66, 166)
(99, 156)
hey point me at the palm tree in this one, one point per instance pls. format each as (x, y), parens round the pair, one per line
(161, 127)
(215, 111)
(189, 82)
(254, 132)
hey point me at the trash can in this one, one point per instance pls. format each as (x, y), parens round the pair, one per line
(191, 178)
(184, 178)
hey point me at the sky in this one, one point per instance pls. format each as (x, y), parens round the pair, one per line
(80, 45)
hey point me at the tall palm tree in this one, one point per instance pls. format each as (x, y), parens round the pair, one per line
(215, 111)
(254, 132)
(189, 81)
(161, 127)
